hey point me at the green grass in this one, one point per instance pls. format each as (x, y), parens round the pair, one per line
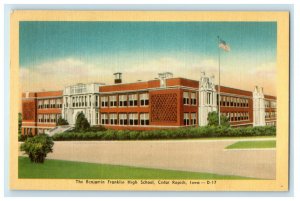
(59, 169)
(253, 145)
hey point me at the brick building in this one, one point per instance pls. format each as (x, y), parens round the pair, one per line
(165, 102)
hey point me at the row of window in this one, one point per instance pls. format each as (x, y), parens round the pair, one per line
(28, 131)
(125, 119)
(48, 118)
(130, 100)
(236, 116)
(273, 123)
(189, 98)
(189, 118)
(228, 101)
(270, 104)
(270, 115)
(50, 103)
(81, 101)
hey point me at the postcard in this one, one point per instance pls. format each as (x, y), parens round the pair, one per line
(149, 100)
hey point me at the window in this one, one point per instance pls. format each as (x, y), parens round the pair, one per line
(122, 100)
(222, 101)
(113, 119)
(123, 119)
(59, 103)
(97, 118)
(40, 131)
(80, 101)
(67, 103)
(247, 104)
(231, 101)
(96, 102)
(85, 101)
(186, 98)
(73, 101)
(58, 116)
(208, 98)
(113, 101)
(193, 118)
(46, 118)
(40, 104)
(40, 118)
(238, 116)
(234, 102)
(90, 100)
(52, 118)
(133, 118)
(267, 104)
(144, 118)
(186, 119)
(52, 103)
(46, 103)
(133, 100)
(104, 101)
(231, 116)
(273, 104)
(104, 118)
(144, 99)
(228, 101)
(193, 98)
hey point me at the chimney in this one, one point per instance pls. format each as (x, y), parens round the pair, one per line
(118, 78)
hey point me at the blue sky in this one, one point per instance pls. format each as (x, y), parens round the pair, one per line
(181, 47)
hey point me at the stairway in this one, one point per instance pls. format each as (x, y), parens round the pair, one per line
(59, 129)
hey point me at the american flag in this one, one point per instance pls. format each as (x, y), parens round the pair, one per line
(223, 45)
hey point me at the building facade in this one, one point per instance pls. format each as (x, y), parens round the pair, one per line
(165, 102)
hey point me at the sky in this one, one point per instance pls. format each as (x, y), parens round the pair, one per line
(57, 54)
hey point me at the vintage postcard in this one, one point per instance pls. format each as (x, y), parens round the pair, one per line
(149, 100)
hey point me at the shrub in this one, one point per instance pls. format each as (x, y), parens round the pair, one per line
(82, 123)
(213, 119)
(22, 138)
(37, 147)
(180, 133)
(97, 128)
(61, 122)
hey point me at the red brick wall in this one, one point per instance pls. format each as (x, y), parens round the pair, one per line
(165, 107)
(49, 94)
(29, 110)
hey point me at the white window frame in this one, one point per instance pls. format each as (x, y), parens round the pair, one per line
(144, 117)
(144, 98)
(134, 118)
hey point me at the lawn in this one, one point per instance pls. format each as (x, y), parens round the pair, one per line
(253, 144)
(59, 169)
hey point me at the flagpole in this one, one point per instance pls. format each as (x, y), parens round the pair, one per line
(219, 82)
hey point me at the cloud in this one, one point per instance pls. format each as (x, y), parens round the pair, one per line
(56, 74)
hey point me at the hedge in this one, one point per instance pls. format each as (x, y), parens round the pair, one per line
(180, 133)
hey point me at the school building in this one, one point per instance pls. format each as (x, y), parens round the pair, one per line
(165, 102)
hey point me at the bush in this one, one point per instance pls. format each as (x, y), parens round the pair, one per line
(82, 123)
(37, 147)
(22, 138)
(61, 122)
(180, 133)
(213, 119)
(97, 128)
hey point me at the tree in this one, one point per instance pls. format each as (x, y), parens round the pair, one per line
(213, 119)
(82, 123)
(38, 147)
(19, 122)
(61, 122)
